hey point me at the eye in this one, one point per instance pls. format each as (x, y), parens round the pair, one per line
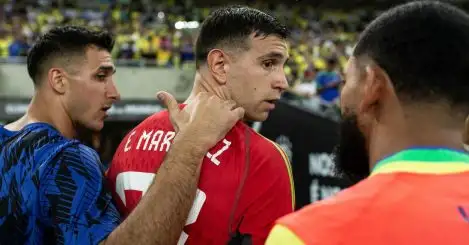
(268, 64)
(101, 77)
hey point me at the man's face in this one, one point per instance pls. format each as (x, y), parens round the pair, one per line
(91, 90)
(351, 154)
(256, 78)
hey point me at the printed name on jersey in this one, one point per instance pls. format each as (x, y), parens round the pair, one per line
(160, 140)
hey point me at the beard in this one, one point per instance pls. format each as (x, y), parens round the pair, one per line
(351, 155)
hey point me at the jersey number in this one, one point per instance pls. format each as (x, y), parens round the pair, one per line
(139, 181)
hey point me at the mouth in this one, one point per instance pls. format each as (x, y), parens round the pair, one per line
(271, 103)
(105, 109)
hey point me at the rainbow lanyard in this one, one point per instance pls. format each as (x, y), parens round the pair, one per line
(424, 161)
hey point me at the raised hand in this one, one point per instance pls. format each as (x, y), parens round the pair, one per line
(207, 119)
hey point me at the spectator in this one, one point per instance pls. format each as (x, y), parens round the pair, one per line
(19, 46)
(4, 43)
(328, 82)
(187, 51)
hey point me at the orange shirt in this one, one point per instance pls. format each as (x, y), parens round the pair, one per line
(417, 196)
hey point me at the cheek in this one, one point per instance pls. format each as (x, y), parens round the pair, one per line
(349, 96)
(344, 100)
(92, 96)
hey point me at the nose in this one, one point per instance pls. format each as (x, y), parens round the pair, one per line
(281, 83)
(112, 92)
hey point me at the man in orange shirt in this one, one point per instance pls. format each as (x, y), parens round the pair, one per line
(404, 103)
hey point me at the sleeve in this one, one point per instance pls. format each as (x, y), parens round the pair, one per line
(281, 235)
(74, 198)
(269, 192)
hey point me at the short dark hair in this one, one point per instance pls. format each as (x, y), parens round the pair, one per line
(424, 48)
(63, 41)
(332, 61)
(231, 26)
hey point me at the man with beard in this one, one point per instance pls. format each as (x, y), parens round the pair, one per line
(404, 103)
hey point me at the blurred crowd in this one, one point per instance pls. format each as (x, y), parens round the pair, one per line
(162, 34)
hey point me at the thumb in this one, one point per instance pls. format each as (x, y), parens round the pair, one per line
(168, 101)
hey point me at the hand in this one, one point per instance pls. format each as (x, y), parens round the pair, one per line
(206, 120)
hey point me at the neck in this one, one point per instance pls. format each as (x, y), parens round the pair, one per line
(416, 134)
(45, 110)
(204, 83)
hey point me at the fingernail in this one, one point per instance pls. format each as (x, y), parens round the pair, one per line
(160, 96)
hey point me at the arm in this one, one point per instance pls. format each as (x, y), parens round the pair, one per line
(80, 210)
(162, 221)
(74, 201)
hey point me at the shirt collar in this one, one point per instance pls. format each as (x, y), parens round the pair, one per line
(424, 161)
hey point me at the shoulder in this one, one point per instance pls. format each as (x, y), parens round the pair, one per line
(145, 130)
(153, 123)
(75, 174)
(4, 132)
(80, 152)
(321, 74)
(270, 162)
(148, 140)
(39, 133)
(155, 117)
(78, 161)
(351, 205)
(266, 150)
(320, 221)
(39, 140)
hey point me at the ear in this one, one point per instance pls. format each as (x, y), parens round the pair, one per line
(217, 65)
(374, 90)
(56, 79)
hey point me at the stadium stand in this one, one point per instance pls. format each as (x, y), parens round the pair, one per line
(163, 34)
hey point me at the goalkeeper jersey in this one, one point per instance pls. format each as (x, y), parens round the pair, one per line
(245, 182)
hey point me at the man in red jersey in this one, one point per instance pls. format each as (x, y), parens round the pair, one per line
(245, 182)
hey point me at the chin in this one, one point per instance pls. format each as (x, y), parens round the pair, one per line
(95, 126)
(256, 117)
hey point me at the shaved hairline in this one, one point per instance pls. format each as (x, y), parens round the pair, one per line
(69, 61)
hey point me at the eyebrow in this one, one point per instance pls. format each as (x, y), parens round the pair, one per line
(107, 68)
(273, 55)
